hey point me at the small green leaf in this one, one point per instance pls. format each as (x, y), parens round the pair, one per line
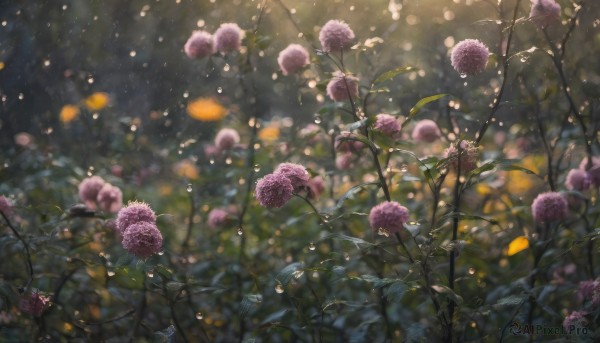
(249, 302)
(444, 290)
(286, 274)
(413, 111)
(390, 74)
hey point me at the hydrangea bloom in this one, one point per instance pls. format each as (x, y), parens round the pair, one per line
(143, 239)
(226, 139)
(89, 189)
(426, 130)
(134, 212)
(296, 173)
(469, 57)
(468, 156)
(387, 124)
(5, 205)
(578, 180)
(388, 215)
(344, 161)
(274, 190)
(292, 59)
(228, 38)
(217, 217)
(199, 45)
(34, 304)
(342, 87)
(594, 171)
(575, 319)
(316, 186)
(544, 12)
(549, 207)
(344, 145)
(336, 36)
(110, 198)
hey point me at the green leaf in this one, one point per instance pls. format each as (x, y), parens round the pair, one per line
(351, 193)
(249, 302)
(511, 300)
(395, 291)
(413, 111)
(512, 167)
(485, 167)
(390, 74)
(286, 274)
(355, 240)
(273, 317)
(444, 290)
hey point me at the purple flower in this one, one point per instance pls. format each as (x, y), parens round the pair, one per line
(344, 161)
(296, 173)
(345, 145)
(575, 319)
(110, 198)
(217, 217)
(5, 205)
(389, 216)
(342, 87)
(316, 186)
(469, 57)
(274, 190)
(594, 171)
(388, 125)
(292, 59)
(134, 212)
(228, 38)
(199, 45)
(587, 289)
(336, 36)
(34, 304)
(468, 156)
(549, 207)
(143, 239)
(578, 180)
(226, 139)
(544, 12)
(89, 189)
(426, 131)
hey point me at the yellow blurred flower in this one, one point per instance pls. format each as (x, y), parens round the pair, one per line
(187, 169)
(269, 134)
(204, 109)
(517, 245)
(68, 113)
(96, 101)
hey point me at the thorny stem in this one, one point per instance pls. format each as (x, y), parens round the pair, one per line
(25, 245)
(496, 102)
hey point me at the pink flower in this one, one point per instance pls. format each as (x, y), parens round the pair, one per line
(35, 304)
(142, 239)
(388, 125)
(228, 38)
(426, 131)
(575, 319)
(388, 215)
(110, 198)
(549, 207)
(274, 190)
(468, 156)
(469, 57)
(296, 173)
(292, 59)
(226, 139)
(344, 161)
(217, 217)
(594, 171)
(89, 189)
(544, 12)
(316, 186)
(342, 87)
(336, 36)
(5, 205)
(134, 212)
(587, 289)
(578, 180)
(344, 145)
(199, 45)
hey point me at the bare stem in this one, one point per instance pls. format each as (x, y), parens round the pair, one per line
(26, 247)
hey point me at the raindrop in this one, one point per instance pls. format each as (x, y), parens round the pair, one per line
(219, 90)
(228, 160)
(403, 168)
(189, 188)
(524, 59)
(312, 246)
(256, 168)
(298, 274)
(110, 273)
(471, 271)
(162, 252)
(383, 232)
(226, 67)
(199, 316)
(412, 222)
(318, 120)
(463, 75)
(240, 231)
(95, 116)
(132, 53)
(186, 94)
(150, 273)
(211, 161)
(21, 96)
(278, 289)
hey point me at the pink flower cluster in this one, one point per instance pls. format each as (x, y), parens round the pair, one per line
(217, 218)
(342, 87)
(468, 152)
(227, 38)
(292, 59)
(427, 131)
(544, 12)
(389, 216)
(276, 189)
(137, 224)
(5, 205)
(94, 190)
(34, 304)
(226, 139)
(387, 125)
(336, 36)
(549, 207)
(469, 57)
(575, 319)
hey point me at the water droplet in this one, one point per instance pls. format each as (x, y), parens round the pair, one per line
(110, 273)
(524, 59)
(412, 222)
(298, 274)
(226, 67)
(132, 53)
(312, 246)
(228, 160)
(189, 188)
(463, 75)
(211, 161)
(256, 168)
(240, 231)
(150, 273)
(199, 316)
(318, 120)
(219, 90)
(403, 168)
(383, 232)
(471, 271)
(278, 288)
(162, 252)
